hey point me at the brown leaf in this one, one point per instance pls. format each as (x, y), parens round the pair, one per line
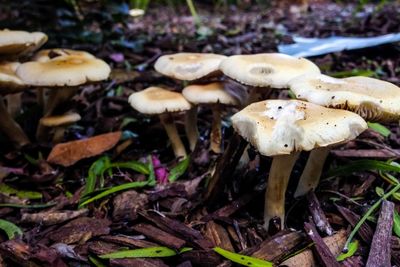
(67, 154)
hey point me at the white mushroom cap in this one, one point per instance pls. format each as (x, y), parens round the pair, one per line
(278, 127)
(48, 54)
(188, 66)
(157, 100)
(17, 42)
(266, 70)
(373, 99)
(208, 94)
(9, 82)
(63, 71)
(60, 120)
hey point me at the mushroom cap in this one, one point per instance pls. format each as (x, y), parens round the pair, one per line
(208, 94)
(157, 100)
(18, 42)
(373, 99)
(9, 81)
(63, 71)
(266, 70)
(60, 120)
(188, 66)
(48, 54)
(279, 127)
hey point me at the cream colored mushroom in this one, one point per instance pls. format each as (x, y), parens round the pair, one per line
(163, 102)
(61, 74)
(283, 128)
(372, 99)
(20, 42)
(60, 124)
(10, 84)
(188, 66)
(266, 70)
(213, 95)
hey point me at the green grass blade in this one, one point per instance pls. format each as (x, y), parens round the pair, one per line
(113, 190)
(96, 262)
(353, 246)
(132, 165)
(379, 128)
(243, 260)
(363, 165)
(24, 194)
(95, 170)
(151, 252)
(178, 170)
(396, 223)
(10, 229)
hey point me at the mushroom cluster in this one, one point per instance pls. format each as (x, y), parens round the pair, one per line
(329, 111)
(54, 73)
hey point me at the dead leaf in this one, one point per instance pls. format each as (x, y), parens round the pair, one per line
(67, 154)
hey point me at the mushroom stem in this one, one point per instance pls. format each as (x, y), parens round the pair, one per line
(216, 136)
(191, 129)
(58, 134)
(309, 179)
(14, 104)
(278, 179)
(56, 97)
(176, 142)
(40, 96)
(10, 128)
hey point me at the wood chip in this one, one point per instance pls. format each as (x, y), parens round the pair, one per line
(335, 243)
(318, 214)
(379, 254)
(218, 235)
(67, 154)
(159, 236)
(326, 257)
(52, 217)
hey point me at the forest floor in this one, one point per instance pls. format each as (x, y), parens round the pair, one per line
(65, 222)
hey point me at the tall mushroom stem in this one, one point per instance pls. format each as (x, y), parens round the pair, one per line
(278, 179)
(191, 129)
(14, 104)
(216, 136)
(176, 142)
(309, 179)
(10, 128)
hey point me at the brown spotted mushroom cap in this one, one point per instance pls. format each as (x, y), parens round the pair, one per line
(278, 127)
(9, 81)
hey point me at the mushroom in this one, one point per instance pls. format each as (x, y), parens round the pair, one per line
(10, 84)
(190, 67)
(156, 100)
(269, 70)
(20, 42)
(214, 95)
(60, 124)
(283, 128)
(62, 74)
(372, 99)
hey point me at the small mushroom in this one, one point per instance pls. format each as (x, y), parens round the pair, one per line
(190, 67)
(15, 43)
(213, 95)
(156, 100)
(61, 73)
(372, 99)
(283, 128)
(60, 124)
(10, 84)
